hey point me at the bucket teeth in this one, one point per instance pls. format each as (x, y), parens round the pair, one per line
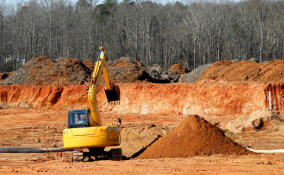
(113, 94)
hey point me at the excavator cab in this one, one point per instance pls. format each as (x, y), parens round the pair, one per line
(78, 118)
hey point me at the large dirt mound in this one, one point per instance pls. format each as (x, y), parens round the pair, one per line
(45, 71)
(177, 68)
(194, 136)
(71, 71)
(241, 71)
(127, 70)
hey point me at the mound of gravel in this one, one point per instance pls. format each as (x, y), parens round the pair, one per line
(193, 75)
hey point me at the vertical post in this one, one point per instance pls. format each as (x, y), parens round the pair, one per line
(269, 100)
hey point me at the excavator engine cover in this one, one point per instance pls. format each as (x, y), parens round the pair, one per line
(113, 94)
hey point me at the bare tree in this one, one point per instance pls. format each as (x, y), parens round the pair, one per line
(192, 34)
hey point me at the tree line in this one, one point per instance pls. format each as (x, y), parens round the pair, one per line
(191, 34)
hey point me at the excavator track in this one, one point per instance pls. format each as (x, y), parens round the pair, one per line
(116, 154)
(97, 154)
(78, 156)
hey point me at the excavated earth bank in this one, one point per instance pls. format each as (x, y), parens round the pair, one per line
(146, 98)
(73, 71)
(245, 71)
(194, 136)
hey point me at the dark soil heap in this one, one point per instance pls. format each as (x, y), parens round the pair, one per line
(45, 71)
(245, 71)
(73, 71)
(194, 136)
(127, 70)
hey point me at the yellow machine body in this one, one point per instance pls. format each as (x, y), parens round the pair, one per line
(89, 137)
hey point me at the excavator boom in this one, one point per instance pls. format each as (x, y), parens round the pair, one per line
(112, 91)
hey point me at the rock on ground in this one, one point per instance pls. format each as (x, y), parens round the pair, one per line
(258, 121)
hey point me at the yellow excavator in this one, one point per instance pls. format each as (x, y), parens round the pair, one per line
(85, 132)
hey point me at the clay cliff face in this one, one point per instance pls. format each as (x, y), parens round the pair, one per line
(147, 98)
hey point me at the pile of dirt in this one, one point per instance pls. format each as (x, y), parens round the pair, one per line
(159, 74)
(257, 121)
(156, 71)
(193, 75)
(177, 68)
(71, 71)
(89, 64)
(194, 136)
(242, 71)
(45, 71)
(126, 70)
(167, 76)
(174, 72)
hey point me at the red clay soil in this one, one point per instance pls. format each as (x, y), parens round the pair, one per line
(177, 68)
(44, 96)
(194, 136)
(147, 98)
(245, 71)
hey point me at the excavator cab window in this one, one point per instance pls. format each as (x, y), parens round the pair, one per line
(78, 118)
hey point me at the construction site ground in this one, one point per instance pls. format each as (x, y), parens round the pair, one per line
(43, 128)
(231, 104)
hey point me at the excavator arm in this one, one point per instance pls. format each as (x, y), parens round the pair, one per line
(112, 91)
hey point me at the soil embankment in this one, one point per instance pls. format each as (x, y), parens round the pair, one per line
(146, 98)
(245, 71)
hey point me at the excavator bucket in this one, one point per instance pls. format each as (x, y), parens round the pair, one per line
(113, 94)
